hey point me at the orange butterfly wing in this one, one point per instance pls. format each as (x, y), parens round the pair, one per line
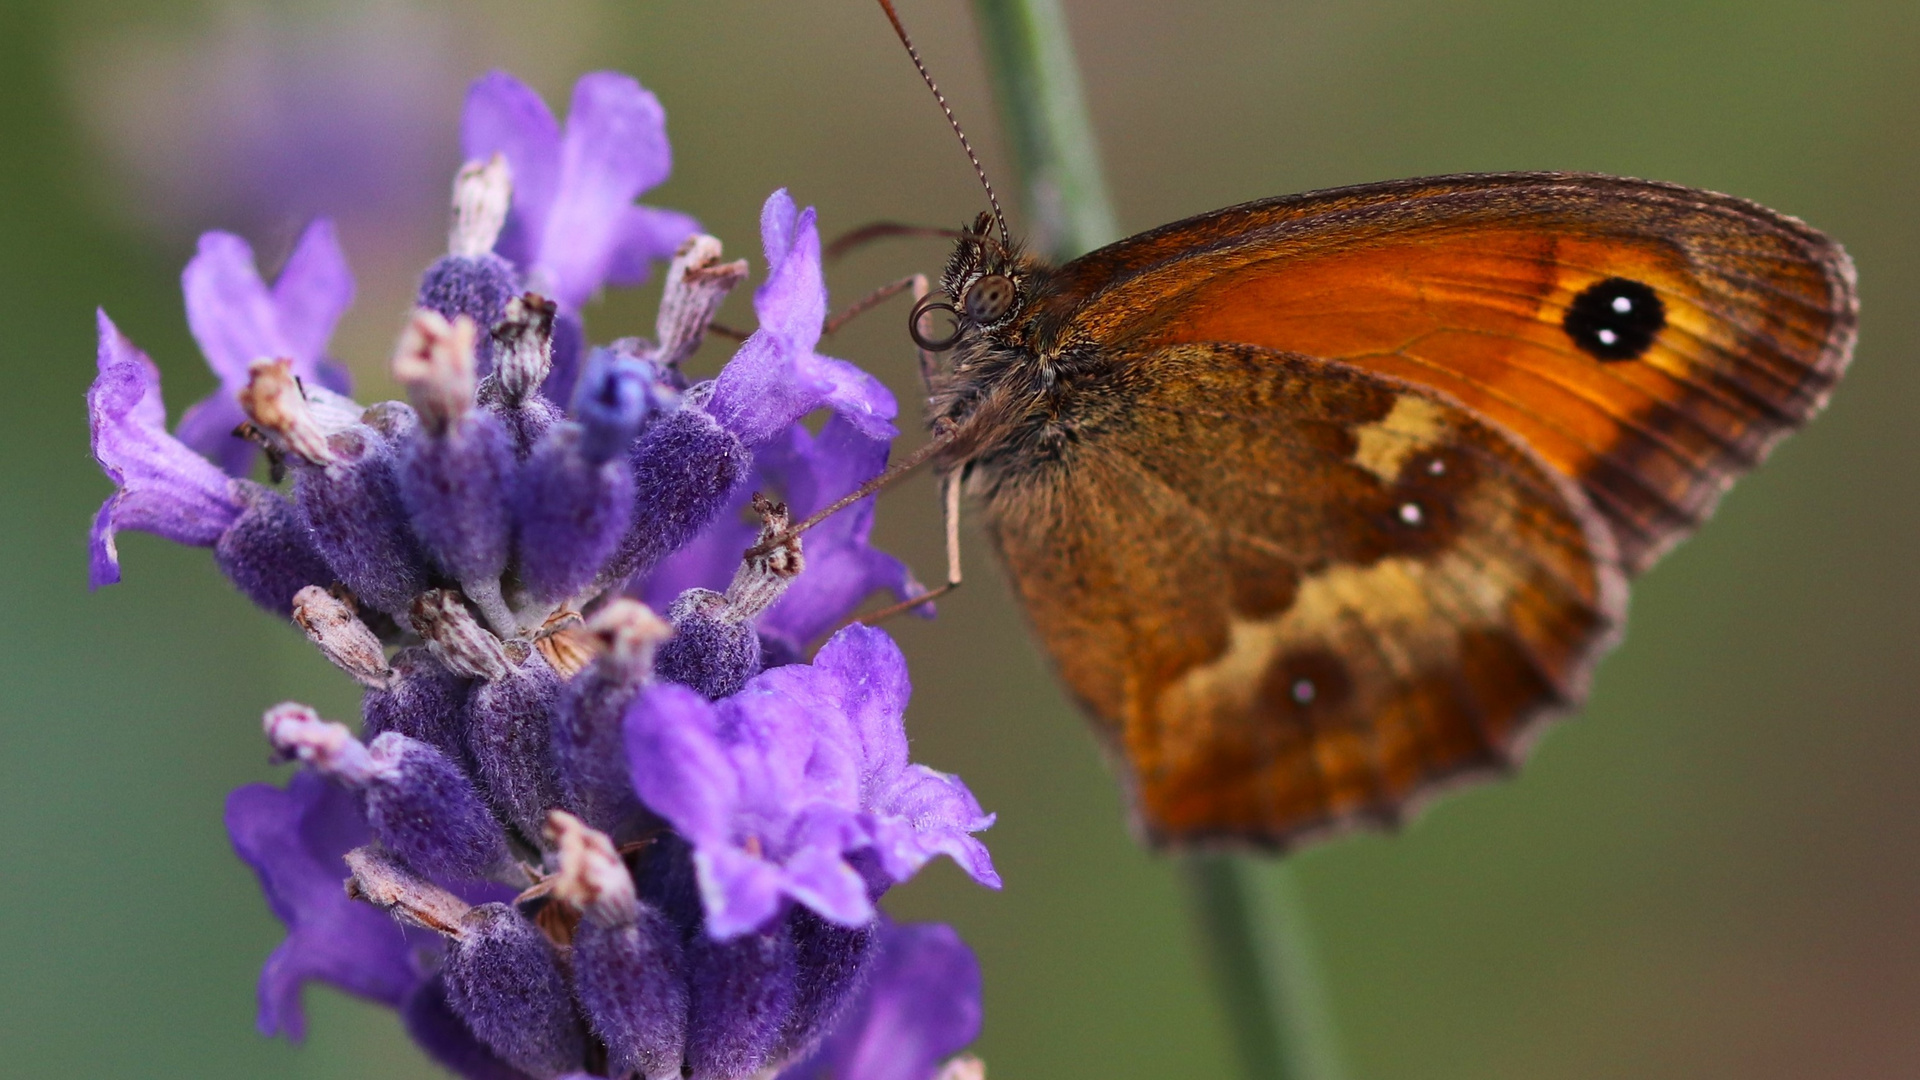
(1464, 284)
(1279, 619)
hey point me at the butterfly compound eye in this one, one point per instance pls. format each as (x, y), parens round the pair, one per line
(989, 298)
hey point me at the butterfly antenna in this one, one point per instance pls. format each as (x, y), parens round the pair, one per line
(1006, 239)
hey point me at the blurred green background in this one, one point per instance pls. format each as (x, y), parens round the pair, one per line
(1714, 873)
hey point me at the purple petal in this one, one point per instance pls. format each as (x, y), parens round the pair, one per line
(859, 397)
(163, 487)
(615, 147)
(229, 309)
(739, 892)
(792, 302)
(764, 388)
(876, 689)
(504, 116)
(207, 426)
(678, 766)
(236, 319)
(843, 568)
(819, 878)
(708, 562)
(921, 1007)
(926, 813)
(294, 839)
(313, 291)
(644, 236)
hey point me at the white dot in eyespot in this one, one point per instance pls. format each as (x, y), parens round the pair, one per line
(1623, 304)
(1436, 467)
(1303, 691)
(1410, 513)
(1606, 336)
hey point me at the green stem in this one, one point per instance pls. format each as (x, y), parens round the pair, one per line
(1253, 932)
(1037, 86)
(1247, 912)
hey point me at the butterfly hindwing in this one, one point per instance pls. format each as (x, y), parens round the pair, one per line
(1342, 589)
(1648, 341)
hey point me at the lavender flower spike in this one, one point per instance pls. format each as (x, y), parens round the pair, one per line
(163, 487)
(237, 319)
(710, 854)
(780, 786)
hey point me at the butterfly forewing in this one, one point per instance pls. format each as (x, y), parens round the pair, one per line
(1650, 342)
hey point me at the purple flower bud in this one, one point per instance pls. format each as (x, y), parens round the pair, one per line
(631, 986)
(715, 648)
(741, 997)
(509, 722)
(455, 475)
(833, 963)
(571, 513)
(588, 747)
(422, 700)
(421, 807)
(267, 552)
(684, 467)
(505, 980)
(919, 1006)
(456, 488)
(628, 974)
(425, 810)
(446, 1039)
(358, 524)
(470, 280)
(614, 395)
(711, 650)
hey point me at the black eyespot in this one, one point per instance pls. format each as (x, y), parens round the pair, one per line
(989, 298)
(1615, 319)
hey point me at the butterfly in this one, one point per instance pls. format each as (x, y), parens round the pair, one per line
(1321, 504)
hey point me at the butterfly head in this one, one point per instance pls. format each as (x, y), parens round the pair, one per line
(983, 290)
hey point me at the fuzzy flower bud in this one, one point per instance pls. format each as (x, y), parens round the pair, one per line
(628, 973)
(715, 648)
(588, 747)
